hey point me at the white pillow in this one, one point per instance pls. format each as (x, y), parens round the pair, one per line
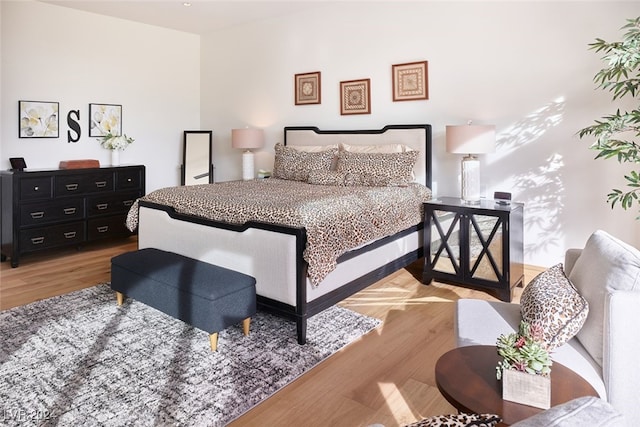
(313, 148)
(382, 148)
(606, 264)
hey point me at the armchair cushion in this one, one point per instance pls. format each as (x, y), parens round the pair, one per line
(583, 411)
(605, 265)
(551, 301)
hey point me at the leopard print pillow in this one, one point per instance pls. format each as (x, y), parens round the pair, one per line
(346, 179)
(458, 420)
(397, 167)
(552, 301)
(296, 165)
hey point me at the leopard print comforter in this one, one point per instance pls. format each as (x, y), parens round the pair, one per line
(336, 218)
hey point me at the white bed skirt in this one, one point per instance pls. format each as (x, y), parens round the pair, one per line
(268, 256)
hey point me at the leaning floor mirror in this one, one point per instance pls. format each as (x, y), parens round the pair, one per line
(197, 163)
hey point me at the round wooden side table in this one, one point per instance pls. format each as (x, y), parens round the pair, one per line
(466, 377)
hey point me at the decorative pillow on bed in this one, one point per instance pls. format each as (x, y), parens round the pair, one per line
(314, 148)
(296, 165)
(382, 148)
(552, 301)
(397, 167)
(458, 420)
(347, 179)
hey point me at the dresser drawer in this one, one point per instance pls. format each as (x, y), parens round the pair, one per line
(112, 226)
(37, 188)
(129, 179)
(48, 212)
(46, 237)
(110, 204)
(67, 185)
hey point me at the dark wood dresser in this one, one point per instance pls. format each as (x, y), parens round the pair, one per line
(43, 209)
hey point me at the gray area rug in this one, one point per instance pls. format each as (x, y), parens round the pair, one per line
(79, 359)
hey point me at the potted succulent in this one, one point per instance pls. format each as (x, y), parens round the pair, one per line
(525, 367)
(115, 143)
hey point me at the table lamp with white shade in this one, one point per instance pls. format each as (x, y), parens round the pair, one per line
(247, 139)
(470, 140)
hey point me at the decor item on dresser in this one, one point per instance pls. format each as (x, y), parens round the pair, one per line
(307, 88)
(410, 81)
(525, 366)
(79, 164)
(43, 209)
(116, 143)
(318, 251)
(355, 97)
(470, 139)
(105, 119)
(38, 119)
(17, 163)
(247, 139)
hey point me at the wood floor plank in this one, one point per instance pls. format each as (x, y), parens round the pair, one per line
(386, 377)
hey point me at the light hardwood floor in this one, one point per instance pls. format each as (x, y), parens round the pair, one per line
(386, 377)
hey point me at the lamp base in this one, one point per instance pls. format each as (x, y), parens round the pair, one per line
(470, 191)
(247, 166)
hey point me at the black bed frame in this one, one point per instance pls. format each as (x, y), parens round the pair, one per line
(304, 310)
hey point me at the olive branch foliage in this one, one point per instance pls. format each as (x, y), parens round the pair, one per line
(613, 133)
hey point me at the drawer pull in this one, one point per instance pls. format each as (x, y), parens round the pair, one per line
(69, 234)
(127, 203)
(37, 215)
(101, 184)
(36, 188)
(102, 206)
(103, 229)
(69, 211)
(37, 240)
(129, 180)
(71, 187)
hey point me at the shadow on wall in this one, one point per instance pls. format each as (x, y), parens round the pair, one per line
(535, 175)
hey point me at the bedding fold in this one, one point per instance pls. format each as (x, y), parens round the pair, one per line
(336, 218)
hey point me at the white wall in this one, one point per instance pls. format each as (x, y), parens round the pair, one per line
(53, 53)
(523, 66)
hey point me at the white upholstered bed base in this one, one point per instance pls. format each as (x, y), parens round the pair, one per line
(268, 256)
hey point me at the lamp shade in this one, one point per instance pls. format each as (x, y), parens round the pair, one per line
(247, 138)
(471, 139)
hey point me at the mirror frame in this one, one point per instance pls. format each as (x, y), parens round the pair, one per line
(185, 148)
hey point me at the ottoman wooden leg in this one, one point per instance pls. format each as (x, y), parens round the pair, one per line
(213, 340)
(245, 325)
(119, 298)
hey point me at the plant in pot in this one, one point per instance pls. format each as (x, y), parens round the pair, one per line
(115, 143)
(614, 133)
(525, 367)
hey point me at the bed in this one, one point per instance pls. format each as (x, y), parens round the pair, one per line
(274, 253)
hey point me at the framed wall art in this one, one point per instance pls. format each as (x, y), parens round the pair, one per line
(410, 81)
(38, 119)
(104, 119)
(307, 88)
(355, 97)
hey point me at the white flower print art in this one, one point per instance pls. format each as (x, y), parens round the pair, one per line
(105, 119)
(38, 119)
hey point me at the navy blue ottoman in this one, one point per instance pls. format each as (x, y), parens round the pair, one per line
(203, 295)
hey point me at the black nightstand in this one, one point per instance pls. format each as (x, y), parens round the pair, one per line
(480, 245)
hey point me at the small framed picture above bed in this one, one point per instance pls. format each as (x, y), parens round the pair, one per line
(410, 81)
(307, 88)
(355, 97)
